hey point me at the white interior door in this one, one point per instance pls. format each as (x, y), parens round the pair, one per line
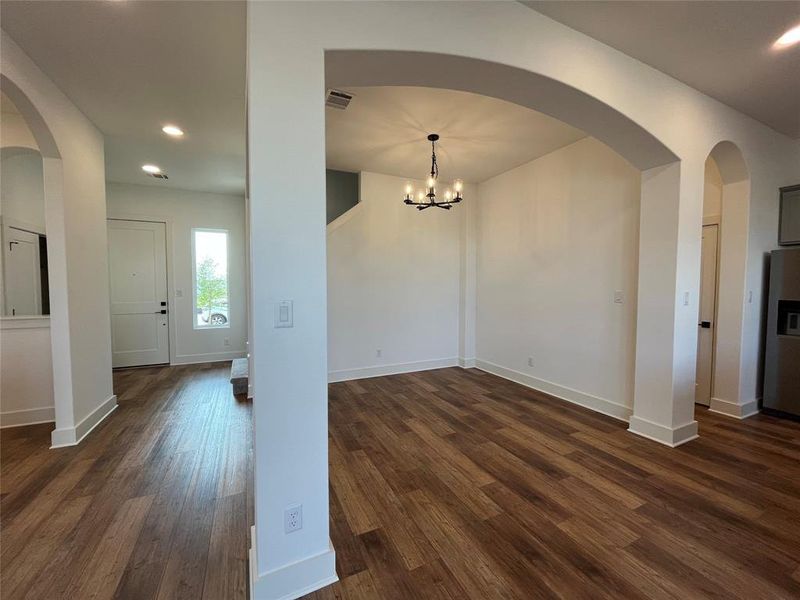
(706, 315)
(23, 283)
(137, 257)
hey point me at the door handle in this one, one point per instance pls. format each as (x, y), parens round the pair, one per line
(163, 311)
(705, 324)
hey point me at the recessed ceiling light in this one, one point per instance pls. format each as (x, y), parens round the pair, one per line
(789, 38)
(172, 130)
(151, 169)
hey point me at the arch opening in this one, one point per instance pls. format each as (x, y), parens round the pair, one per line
(45, 141)
(657, 405)
(529, 89)
(45, 372)
(726, 205)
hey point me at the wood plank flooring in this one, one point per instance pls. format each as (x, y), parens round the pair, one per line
(155, 503)
(454, 484)
(444, 484)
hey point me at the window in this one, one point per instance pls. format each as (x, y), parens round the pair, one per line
(210, 257)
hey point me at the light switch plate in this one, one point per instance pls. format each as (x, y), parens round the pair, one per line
(618, 297)
(284, 314)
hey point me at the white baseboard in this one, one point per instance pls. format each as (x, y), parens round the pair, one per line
(595, 403)
(734, 409)
(669, 436)
(293, 580)
(395, 369)
(466, 363)
(27, 416)
(196, 359)
(71, 436)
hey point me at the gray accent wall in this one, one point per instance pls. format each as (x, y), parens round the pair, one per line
(341, 191)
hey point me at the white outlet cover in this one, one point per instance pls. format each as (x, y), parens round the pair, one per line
(293, 518)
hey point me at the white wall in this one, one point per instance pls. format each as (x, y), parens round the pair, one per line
(393, 284)
(182, 211)
(556, 238)
(75, 215)
(15, 132)
(712, 192)
(22, 187)
(26, 372)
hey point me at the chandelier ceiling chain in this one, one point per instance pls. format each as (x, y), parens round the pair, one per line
(428, 199)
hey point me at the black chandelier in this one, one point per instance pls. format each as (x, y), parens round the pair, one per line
(425, 200)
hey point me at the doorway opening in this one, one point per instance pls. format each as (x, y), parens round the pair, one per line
(24, 278)
(726, 200)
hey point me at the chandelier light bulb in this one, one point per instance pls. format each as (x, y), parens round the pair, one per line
(431, 181)
(448, 194)
(409, 189)
(458, 185)
(790, 38)
(420, 195)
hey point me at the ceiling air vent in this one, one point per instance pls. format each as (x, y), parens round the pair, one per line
(338, 99)
(158, 175)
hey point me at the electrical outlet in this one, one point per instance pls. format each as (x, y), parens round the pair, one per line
(530, 361)
(378, 353)
(226, 342)
(293, 518)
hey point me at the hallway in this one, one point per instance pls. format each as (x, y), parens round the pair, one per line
(153, 504)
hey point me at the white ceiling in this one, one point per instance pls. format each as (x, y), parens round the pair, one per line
(722, 48)
(385, 129)
(134, 66)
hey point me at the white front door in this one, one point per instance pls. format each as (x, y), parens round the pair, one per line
(706, 315)
(23, 277)
(137, 259)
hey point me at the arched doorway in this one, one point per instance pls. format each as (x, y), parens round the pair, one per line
(726, 209)
(663, 404)
(51, 169)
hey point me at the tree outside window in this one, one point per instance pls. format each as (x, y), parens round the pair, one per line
(211, 278)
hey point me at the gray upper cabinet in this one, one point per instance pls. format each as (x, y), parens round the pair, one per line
(789, 230)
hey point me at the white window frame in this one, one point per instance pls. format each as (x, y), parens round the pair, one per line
(227, 325)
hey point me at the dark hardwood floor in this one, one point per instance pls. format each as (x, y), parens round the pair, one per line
(153, 504)
(444, 484)
(457, 484)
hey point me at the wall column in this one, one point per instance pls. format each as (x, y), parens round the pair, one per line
(286, 129)
(669, 283)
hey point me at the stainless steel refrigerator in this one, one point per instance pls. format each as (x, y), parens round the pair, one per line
(782, 357)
